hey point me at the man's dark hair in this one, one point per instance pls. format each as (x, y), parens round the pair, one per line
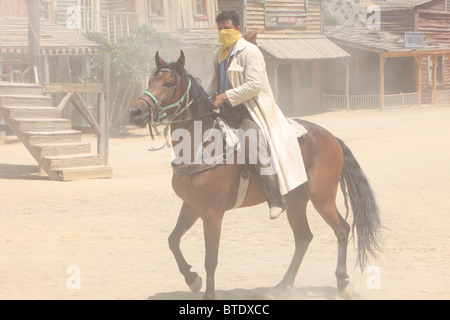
(229, 15)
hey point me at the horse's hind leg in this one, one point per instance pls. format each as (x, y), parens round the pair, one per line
(185, 221)
(296, 213)
(323, 199)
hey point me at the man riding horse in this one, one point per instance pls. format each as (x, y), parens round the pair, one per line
(241, 88)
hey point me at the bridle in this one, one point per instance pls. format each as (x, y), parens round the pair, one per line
(159, 111)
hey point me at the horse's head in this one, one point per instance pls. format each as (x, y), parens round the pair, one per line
(165, 95)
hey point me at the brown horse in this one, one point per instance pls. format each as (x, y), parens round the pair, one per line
(176, 97)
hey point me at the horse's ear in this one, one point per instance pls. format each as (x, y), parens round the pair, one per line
(179, 66)
(159, 62)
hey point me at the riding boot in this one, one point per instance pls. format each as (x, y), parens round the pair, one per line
(272, 193)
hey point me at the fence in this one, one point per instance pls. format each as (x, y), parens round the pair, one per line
(359, 102)
(443, 97)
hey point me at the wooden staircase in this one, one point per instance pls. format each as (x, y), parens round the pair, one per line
(57, 148)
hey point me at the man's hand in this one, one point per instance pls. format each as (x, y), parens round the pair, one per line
(219, 100)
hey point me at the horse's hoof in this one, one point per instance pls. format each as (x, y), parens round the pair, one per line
(196, 286)
(209, 296)
(347, 292)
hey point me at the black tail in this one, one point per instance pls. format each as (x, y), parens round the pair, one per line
(366, 219)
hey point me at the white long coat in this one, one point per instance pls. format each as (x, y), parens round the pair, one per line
(248, 78)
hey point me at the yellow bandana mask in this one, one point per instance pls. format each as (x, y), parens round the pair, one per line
(228, 38)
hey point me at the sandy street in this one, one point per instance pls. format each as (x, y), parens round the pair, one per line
(112, 233)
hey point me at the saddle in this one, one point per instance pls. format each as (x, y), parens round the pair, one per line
(232, 144)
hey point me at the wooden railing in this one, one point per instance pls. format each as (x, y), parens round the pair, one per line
(114, 25)
(443, 97)
(96, 114)
(355, 102)
(359, 102)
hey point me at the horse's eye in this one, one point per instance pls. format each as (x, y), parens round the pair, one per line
(168, 84)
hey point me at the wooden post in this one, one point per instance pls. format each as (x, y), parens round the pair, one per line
(103, 113)
(34, 36)
(347, 83)
(276, 79)
(382, 61)
(434, 60)
(419, 79)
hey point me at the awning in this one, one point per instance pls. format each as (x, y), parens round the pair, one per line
(301, 48)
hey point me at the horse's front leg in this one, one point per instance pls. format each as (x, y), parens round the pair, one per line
(185, 221)
(212, 226)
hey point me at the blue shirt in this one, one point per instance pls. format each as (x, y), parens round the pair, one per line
(224, 81)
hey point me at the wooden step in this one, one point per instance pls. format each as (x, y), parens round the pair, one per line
(42, 137)
(90, 172)
(25, 101)
(25, 112)
(61, 149)
(57, 124)
(13, 88)
(56, 163)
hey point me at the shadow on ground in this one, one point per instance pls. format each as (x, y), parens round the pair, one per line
(271, 293)
(17, 171)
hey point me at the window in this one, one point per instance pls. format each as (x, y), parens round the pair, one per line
(156, 8)
(200, 8)
(439, 70)
(87, 8)
(306, 75)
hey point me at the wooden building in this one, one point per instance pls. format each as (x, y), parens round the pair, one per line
(13, 8)
(432, 18)
(383, 71)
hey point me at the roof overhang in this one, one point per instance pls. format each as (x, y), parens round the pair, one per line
(381, 42)
(306, 48)
(54, 39)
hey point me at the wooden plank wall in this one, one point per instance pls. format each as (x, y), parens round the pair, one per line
(255, 15)
(183, 17)
(398, 21)
(439, 5)
(13, 8)
(436, 28)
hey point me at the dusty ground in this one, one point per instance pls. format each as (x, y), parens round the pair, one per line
(115, 231)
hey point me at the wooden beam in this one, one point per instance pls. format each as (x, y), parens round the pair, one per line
(74, 87)
(346, 62)
(399, 54)
(434, 60)
(104, 98)
(418, 60)
(34, 36)
(81, 106)
(64, 101)
(382, 62)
